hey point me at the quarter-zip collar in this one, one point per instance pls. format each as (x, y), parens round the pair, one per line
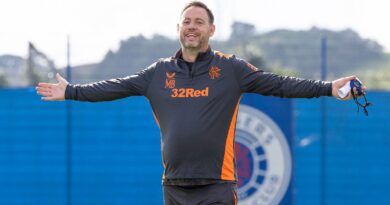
(200, 66)
(201, 56)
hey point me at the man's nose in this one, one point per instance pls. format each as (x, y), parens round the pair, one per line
(191, 26)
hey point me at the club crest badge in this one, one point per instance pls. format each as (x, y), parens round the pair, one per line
(170, 80)
(263, 158)
(214, 72)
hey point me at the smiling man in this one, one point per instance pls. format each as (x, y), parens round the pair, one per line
(195, 29)
(195, 96)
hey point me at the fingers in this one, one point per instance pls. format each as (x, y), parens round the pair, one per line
(364, 88)
(50, 85)
(43, 89)
(349, 78)
(354, 90)
(46, 85)
(59, 77)
(46, 94)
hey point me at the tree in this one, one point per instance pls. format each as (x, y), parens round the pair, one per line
(3, 80)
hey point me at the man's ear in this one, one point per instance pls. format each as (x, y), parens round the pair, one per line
(212, 30)
(177, 27)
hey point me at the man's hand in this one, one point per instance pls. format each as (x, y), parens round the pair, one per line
(51, 91)
(337, 84)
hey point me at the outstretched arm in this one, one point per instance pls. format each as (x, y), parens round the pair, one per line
(51, 91)
(254, 80)
(106, 90)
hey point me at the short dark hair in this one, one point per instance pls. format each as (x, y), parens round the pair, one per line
(201, 5)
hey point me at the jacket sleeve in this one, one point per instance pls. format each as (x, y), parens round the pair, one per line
(253, 80)
(107, 90)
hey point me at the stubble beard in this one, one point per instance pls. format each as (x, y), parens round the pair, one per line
(192, 46)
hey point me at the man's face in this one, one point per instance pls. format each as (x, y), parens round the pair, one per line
(195, 29)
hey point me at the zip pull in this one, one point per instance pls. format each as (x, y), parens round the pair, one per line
(193, 70)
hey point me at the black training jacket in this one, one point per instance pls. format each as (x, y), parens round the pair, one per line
(196, 109)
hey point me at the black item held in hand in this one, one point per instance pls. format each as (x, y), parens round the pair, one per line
(357, 91)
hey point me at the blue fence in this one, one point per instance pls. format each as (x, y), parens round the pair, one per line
(356, 164)
(115, 152)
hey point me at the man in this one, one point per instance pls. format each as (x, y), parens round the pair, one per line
(195, 96)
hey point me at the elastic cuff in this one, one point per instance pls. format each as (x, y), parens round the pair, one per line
(68, 92)
(328, 88)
